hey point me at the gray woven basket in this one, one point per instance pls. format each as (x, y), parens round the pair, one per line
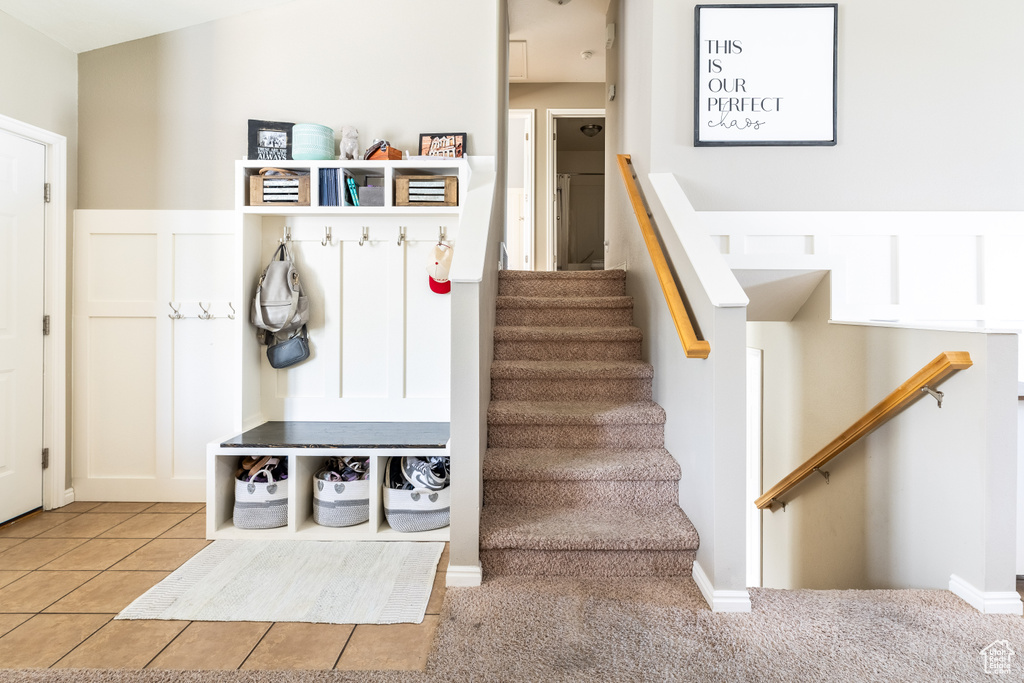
(419, 510)
(260, 506)
(337, 503)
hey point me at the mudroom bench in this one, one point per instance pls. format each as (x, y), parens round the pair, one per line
(307, 445)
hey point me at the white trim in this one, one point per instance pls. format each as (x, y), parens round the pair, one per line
(549, 188)
(995, 602)
(464, 576)
(530, 210)
(55, 305)
(720, 601)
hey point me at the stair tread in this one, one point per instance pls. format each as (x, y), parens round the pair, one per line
(575, 302)
(620, 333)
(513, 527)
(613, 274)
(503, 412)
(579, 464)
(571, 369)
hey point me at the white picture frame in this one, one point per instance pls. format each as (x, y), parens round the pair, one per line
(765, 74)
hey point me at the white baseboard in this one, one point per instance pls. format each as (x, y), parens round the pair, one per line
(993, 602)
(464, 576)
(69, 496)
(720, 601)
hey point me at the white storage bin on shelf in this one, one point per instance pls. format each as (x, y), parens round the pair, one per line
(417, 510)
(260, 505)
(341, 503)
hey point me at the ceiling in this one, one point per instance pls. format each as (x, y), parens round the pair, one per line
(83, 25)
(555, 34)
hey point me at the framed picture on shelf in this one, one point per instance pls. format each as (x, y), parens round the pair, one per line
(270, 140)
(445, 145)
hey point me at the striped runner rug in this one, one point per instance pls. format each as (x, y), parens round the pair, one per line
(336, 582)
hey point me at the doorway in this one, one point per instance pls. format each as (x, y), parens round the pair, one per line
(576, 189)
(519, 228)
(33, 232)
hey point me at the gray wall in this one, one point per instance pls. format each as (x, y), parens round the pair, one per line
(163, 118)
(927, 100)
(928, 495)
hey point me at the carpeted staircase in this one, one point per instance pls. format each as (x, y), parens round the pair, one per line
(577, 481)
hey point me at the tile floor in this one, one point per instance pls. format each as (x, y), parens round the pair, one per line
(65, 574)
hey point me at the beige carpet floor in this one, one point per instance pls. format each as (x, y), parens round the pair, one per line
(564, 629)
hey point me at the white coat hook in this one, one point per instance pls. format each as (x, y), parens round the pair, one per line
(231, 315)
(205, 315)
(177, 314)
(934, 393)
(366, 235)
(401, 234)
(327, 236)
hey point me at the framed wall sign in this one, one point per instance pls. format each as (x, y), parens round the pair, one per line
(270, 140)
(764, 75)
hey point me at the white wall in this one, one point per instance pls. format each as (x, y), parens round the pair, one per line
(928, 495)
(163, 118)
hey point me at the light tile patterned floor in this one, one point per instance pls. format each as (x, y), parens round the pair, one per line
(65, 574)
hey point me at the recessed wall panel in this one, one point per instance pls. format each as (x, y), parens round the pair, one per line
(427, 329)
(364, 320)
(7, 289)
(868, 260)
(122, 267)
(204, 268)
(122, 397)
(203, 391)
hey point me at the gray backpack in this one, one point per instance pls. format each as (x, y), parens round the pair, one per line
(280, 307)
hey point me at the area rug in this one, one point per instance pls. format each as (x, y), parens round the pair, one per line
(303, 581)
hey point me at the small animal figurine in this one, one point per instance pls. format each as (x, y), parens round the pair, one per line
(349, 147)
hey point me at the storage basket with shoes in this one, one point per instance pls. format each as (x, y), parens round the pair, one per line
(341, 492)
(261, 493)
(417, 493)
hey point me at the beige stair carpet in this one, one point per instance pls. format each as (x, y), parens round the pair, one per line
(577, 481)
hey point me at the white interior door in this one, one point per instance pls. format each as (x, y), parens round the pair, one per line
(22, 173)
(519, 225)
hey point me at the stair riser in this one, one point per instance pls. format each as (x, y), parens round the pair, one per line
(581, 494)
(565, 317)
(576, 436)
(571, 389)
(561, 287)
(558, 350)
(595, 563)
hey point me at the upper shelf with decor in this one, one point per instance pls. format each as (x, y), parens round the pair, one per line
(350, 187)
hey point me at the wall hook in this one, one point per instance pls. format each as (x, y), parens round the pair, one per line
(177, 314)
(231, 315)
(287, 235)
(205, 315)
(442, 233)
(366, 235)
(401, 234)
(328, 239)
(934, 393)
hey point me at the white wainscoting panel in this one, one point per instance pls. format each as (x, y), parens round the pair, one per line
(150, 391)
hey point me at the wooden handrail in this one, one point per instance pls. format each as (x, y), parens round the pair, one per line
(931, 375)
(692, 346)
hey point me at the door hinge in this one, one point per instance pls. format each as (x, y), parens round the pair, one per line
(46, 458)
(46, 325)
(46, 192)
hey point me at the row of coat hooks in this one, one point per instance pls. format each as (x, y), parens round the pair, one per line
(442, 234)
(205, 315)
